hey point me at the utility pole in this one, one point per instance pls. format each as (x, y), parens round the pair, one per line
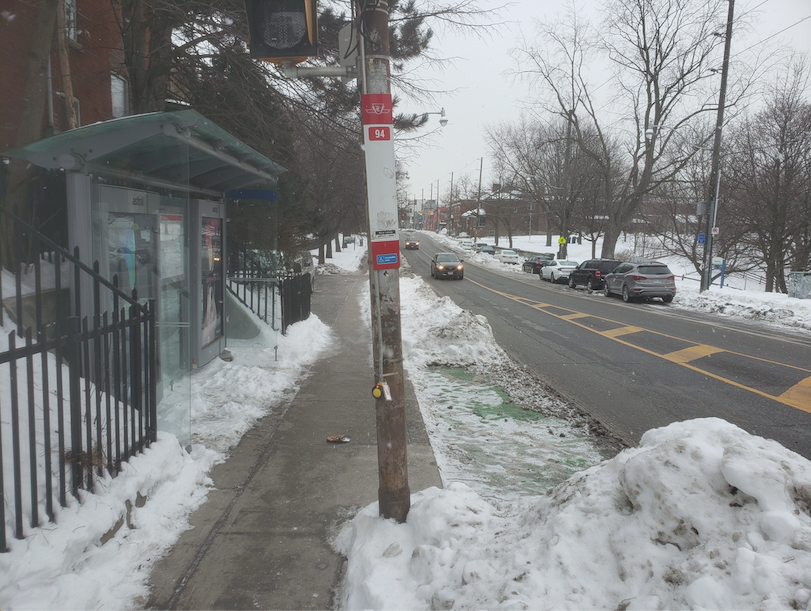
(272, 23)
(478, 200)
(567, 176)
(715, 175)
(393, 493)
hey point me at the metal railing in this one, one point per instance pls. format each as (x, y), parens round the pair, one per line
(253, 282)
(259, 286)
(79, 390)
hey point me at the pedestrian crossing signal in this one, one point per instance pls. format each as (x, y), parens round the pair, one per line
(282, 30)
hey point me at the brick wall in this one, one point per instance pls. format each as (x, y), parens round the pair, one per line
(93, 57)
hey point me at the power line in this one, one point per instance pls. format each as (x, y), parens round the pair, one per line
(796, 23)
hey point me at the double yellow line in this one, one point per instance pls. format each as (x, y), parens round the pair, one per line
(797, 395)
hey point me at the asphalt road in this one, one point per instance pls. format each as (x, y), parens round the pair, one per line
(642, 365)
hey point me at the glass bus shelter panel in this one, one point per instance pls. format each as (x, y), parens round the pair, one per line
(174, 407)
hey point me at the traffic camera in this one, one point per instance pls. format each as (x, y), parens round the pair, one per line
(282, 30)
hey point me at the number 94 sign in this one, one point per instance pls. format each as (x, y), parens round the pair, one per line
(379, 133)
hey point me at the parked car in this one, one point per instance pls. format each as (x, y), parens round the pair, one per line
(486, 249)
(447, 265)
(641, 281)
(591, 273)
(557, 270)
(507, 256)
(479, 245)
(411, 243)
(466, 244)
(534, 263)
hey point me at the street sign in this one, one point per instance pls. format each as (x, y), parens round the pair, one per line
(381, 179)
(562, 240)
(701, 238)
(716, 230)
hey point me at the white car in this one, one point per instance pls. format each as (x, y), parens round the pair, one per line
(507, 256)
(557, 270)
(466, 245)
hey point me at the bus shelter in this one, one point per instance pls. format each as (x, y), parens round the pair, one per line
(146, 198)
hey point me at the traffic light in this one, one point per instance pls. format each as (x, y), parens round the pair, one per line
(282, 30)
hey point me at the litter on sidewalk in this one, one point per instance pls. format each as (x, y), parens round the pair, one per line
(338, 438)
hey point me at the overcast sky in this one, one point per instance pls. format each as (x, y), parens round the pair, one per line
(484, 94)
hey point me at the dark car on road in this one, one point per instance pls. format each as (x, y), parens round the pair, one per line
(487, 249)
(641, 281)
(447, 265)
(412, 243)
(534, 263)
(591, 273)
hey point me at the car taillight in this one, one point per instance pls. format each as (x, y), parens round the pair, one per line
(638, 278)
(671, 277)
(597, 273)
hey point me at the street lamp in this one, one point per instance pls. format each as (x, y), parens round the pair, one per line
(443, 120)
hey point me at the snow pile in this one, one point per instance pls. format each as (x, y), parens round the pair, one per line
(701, 515)
(776, 308)
(64, 566)
(437, 331)
(229, 397)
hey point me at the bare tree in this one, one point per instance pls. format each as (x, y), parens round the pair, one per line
(769, 178)
(660, 55)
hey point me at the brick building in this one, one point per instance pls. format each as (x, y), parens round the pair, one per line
(93, 53)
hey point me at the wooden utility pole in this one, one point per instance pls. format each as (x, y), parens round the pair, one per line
(715, 176)
(394, 495)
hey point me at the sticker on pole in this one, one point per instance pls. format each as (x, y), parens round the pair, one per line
(386, 254)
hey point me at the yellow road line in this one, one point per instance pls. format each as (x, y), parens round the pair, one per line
(798, 396)
(575, 316)
(614, 333)
(692, 353)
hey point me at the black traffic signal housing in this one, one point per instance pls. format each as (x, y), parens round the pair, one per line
(282, 30)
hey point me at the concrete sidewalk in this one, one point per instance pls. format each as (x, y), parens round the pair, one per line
(261, 541)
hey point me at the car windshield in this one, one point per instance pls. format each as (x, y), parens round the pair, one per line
(447, 258)
(654, 269)
(507, 252)
(567, 262)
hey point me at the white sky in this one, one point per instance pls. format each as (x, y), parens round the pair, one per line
(659, 525)
(485, 95)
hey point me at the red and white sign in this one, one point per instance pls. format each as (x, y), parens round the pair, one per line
(377, 109)
(381, 180)
(379, 132)
(716, 230)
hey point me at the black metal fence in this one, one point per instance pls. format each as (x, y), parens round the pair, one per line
(257, 283)
(78, 384)
(253, 281)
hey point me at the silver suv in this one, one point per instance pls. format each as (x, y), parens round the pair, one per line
(641, 281)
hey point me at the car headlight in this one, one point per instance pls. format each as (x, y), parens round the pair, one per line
(440, 267)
